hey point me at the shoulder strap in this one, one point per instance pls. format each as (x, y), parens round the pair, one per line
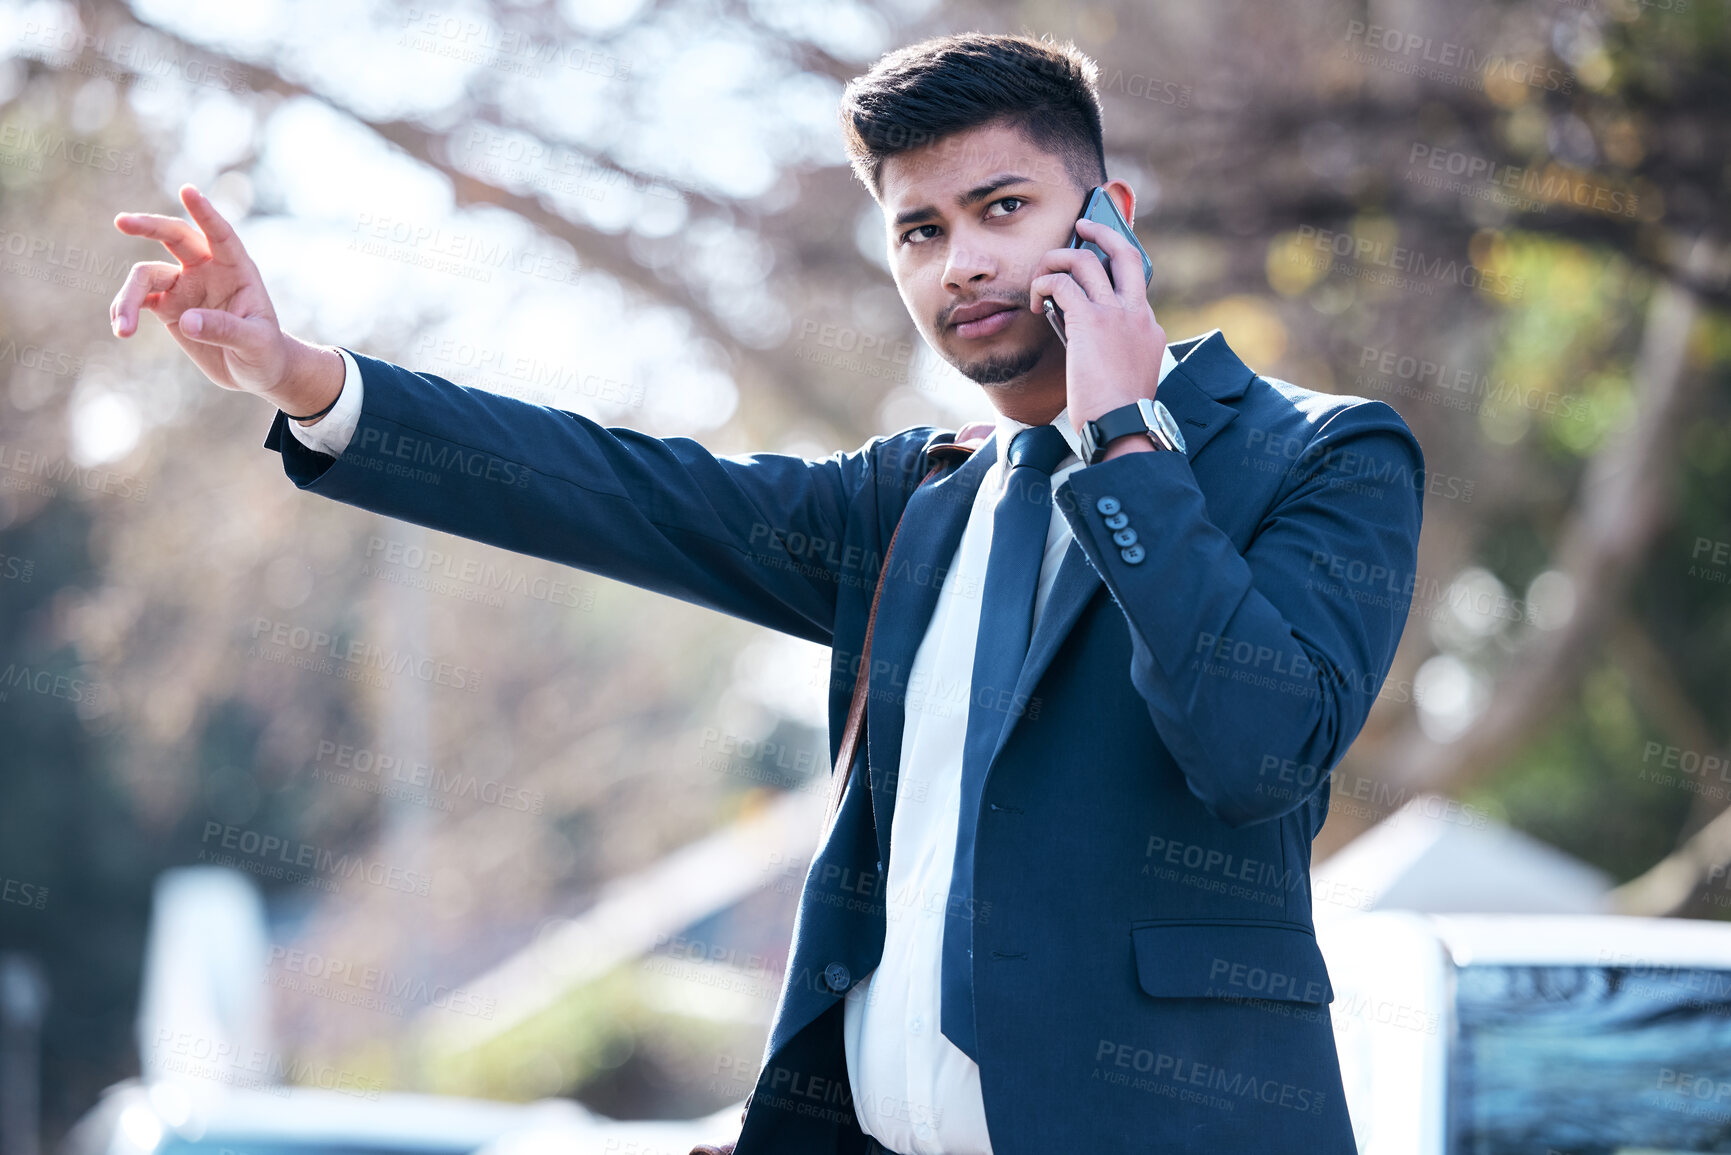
(940, 450)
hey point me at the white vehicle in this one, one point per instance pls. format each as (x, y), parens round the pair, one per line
(167, 1118)
(1534, 1034)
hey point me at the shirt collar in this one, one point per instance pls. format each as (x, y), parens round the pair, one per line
(1008, 427)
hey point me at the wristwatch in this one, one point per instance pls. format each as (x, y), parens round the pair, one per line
(1144, 415)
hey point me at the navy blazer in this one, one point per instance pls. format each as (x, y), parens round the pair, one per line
(1145, 972)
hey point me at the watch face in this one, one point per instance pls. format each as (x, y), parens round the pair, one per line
(1168, 426)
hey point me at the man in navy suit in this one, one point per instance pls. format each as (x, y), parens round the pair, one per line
(1062, 903)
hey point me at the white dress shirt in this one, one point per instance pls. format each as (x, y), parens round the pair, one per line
(914, 1090)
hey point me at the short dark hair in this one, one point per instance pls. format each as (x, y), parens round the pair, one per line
(918, 94)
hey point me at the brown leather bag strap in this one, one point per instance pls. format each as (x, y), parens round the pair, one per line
(856, 707)
(850, 734)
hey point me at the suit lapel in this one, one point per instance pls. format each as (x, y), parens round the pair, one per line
(1192, 391)
(935, 517)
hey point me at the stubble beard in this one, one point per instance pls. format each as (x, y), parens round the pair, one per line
(1009, 367)
(1001, 368)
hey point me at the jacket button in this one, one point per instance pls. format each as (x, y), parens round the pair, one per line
(1107, 505)
(837, 977)
(1125, 537)
(1132, 555)
(1118, 520)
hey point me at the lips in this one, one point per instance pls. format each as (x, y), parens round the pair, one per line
(982, 318)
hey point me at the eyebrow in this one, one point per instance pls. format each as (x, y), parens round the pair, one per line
(972, 197)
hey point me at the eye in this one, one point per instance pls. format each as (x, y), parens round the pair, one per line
(1013, 203)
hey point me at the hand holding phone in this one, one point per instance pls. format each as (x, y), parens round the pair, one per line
(1098, 207)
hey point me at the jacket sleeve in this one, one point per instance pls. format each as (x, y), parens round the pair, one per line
(761, 536)
(1260, 667)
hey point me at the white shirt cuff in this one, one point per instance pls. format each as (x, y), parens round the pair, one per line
(331, 433)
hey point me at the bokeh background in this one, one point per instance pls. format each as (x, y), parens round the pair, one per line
(1509, 220)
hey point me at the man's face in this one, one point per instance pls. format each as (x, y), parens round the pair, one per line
(968, 219)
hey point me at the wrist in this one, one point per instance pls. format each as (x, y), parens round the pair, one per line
(313, 382)
(1141, 425)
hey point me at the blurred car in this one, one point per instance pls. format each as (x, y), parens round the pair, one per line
(170, 1118)
(1532, 1034)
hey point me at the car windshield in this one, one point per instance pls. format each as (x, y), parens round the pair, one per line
(1590, 1060)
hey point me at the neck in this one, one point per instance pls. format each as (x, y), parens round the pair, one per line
(1036, 397)
(1028, 411)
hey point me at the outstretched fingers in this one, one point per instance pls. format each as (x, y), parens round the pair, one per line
(146, 278)
(177, 236)
(223, 241)
(208, 236)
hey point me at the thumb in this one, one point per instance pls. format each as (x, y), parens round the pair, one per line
(215, 327)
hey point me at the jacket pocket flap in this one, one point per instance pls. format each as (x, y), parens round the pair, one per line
(1230, 960)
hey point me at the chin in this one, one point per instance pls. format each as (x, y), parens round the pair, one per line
(1002, 367)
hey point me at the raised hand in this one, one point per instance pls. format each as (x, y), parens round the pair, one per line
(214, 303)
(1115, 343)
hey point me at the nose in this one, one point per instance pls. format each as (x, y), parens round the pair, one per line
(967, 265)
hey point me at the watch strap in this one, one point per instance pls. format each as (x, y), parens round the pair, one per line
(1108, 427)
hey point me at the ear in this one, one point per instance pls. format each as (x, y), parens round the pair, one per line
(1123, 198)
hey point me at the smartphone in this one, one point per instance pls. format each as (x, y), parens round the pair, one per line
(1098, 207)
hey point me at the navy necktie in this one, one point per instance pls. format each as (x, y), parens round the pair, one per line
(1019, 527)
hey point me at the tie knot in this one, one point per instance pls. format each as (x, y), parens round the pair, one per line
(1039, 447)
